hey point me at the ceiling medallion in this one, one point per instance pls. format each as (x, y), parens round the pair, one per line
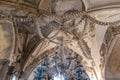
(61, 64)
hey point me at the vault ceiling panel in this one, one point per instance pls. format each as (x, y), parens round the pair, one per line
(98, 4)
(12, 0)
(33, 3)
(45, 5)
(62, 6)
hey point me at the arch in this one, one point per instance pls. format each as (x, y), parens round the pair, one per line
(7, 46)
(110, 53)
(112, 60)
(50, 53)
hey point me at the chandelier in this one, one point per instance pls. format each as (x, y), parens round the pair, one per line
(61, 64)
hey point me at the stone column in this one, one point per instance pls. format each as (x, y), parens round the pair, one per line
(3, 68)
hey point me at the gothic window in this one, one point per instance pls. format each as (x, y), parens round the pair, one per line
(60, 65)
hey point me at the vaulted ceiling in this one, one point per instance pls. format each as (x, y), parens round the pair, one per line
(30, 28)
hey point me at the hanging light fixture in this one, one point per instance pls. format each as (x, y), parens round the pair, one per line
(14, 76)
(61, 64)
(58, 77)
